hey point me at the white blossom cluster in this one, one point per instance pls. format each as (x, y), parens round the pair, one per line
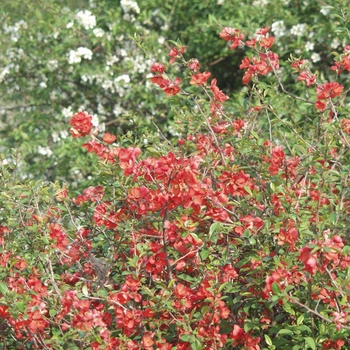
(325, 10)
(45, 151)
(309, 46)
(315, 57)
(56, 137)
(129, 7)
(260, 3)
(52, 65)
(98, 32)
(76, 56)
(86, 19)
(278, 29)
(299, 29)
(15, 29)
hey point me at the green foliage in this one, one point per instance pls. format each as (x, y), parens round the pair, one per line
(208, 223)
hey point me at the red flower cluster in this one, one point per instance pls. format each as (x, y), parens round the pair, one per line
(176, 52)
(81, 124)
(233, 35)
(325, 92)
(344, 62)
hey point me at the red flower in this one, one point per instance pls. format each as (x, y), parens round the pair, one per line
(200, 78)
(109, 138)
(245, 63)
(173, 87)
(345, 124)
(157, 68)
(263, 31)
(174, 52)
(321, 106)
(307, 77)
(81, 124)
(218, 94)
(232, 34)
(329, 90)
(193, 65)
(267, 42)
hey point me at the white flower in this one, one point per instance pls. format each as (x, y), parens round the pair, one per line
(335, 43)
(220, 2)
(86, 19)
(4, 72)
(117, 110)
(99, 33)
(123, 53)
(64, 134)
(309, 46)
(324, 10)
(161, 40)
(75, 56)
(260, 3)
(52, 65)
(123, 77)
(45, 151)
(129, 6)
(70, 24)
(67, 112)
(315, 57)
(94, 120)
(55, 137)
(278, 28)
(43, 85)
(299, 29)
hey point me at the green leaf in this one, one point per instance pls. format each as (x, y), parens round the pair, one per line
(213, 231)
(20, 306)
(276, 288)
(3, 288)
(204, 254)
(85, 291)
(310, 342)
(268, 339)
(285, 331)
(300, 319)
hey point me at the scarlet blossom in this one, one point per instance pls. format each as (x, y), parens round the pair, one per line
(232, 34)
(218, 94)
(321, 106)
(109, 138)
(157, 68)
(344, 62)
(329, 90)
(193, 65)
(175, 52)
(245, 63)
(345, 125)
(62, 194)
(251, 43)
(173, 87)
(307, 77)
(267, 42)
(169, 87)
(81, 124)
(263, 31)
(309, 260)
(200, 78)
(300, 64)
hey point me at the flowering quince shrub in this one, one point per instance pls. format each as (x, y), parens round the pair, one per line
(235, 237)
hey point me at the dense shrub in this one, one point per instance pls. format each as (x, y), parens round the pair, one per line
(235, 236)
